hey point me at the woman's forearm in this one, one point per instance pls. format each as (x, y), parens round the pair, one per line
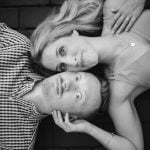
(109, 140)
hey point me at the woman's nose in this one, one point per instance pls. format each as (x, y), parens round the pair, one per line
(72, 61)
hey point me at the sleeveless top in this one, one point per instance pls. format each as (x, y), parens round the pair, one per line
(132, 64)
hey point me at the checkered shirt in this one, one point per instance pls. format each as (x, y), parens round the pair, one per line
(18, 118)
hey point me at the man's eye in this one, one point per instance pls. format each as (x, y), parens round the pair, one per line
(78, 77)
(62, 67)
(78, 96)
(61, 51)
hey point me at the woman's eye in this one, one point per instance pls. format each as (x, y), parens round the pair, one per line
(78, 77)
(78, 96)
(62, 67)
(61, 51)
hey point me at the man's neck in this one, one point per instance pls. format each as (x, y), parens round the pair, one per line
(35, 96)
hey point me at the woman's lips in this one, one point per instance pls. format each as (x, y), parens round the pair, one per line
(58, 86)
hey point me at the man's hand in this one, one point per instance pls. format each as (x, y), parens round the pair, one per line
(126, 15)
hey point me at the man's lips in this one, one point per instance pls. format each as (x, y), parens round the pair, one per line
(59, 88)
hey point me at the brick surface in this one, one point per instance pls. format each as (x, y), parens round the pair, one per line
(9, 16)
(31, 17)
(57, 2)
(23, 2)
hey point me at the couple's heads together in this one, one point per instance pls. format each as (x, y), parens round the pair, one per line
(59, 45)
(77, 93)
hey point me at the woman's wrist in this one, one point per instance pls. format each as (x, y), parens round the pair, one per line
(88, 128)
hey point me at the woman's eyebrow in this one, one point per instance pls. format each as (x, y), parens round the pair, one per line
(57, 52)
(57, 68)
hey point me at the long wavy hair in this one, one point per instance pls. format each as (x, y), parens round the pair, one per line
(82, 15)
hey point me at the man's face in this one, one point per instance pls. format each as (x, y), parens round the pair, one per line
(72, 92)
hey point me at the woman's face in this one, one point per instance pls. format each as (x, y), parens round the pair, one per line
(73, 53)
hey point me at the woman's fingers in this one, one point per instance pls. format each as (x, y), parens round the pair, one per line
(59, 120)
(126, 15)
(124, 25)
(118, 23)
(116, 17)
(55, 118)
(130, 24)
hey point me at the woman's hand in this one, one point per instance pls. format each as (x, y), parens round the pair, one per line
(67, 125)
(126, 15)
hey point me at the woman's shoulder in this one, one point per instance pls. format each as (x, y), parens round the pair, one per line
(120, 91)
(141, 26)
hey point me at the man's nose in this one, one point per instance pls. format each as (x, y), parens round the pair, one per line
(68, 85)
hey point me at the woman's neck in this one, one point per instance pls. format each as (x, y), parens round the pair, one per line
(106, 48)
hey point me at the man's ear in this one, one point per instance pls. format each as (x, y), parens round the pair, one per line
(75, 33)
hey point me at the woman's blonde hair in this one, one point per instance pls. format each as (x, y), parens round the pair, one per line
(81, 15)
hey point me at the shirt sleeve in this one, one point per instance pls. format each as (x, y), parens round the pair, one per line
(3, 147)
(3, 26)
(10, 37)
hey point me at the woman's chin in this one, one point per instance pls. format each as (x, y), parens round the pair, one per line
(89, 60)
(91, 63)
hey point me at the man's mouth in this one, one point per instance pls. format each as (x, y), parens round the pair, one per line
(59, 86)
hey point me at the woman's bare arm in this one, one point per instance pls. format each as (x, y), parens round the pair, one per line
(124, 114)
(108, 140)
